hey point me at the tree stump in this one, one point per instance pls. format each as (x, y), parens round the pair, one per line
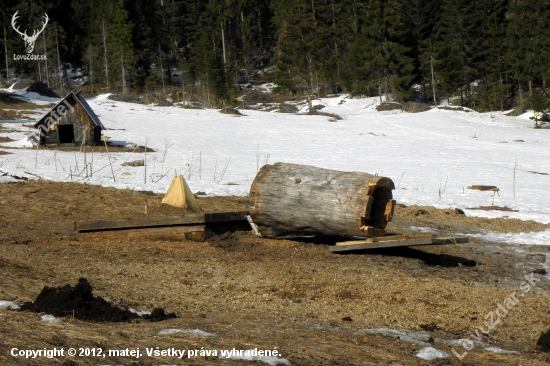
(299, 201)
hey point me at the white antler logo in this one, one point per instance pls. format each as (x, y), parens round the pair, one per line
(29, 40)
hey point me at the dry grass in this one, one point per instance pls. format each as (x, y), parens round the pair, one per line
(12, 108)
(449, 221)
(333, 117)
(5, 139)
(254, 292)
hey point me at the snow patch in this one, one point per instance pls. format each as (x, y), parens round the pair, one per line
(8, 305)
(139, 312)
(419, 338)
(532, 238)
(430, 354)
(501, 351)
(424, 229)
(26, 142)
(187, 331)
(49, 318)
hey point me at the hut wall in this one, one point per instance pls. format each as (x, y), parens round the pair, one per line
(70, 125)
(82, 125)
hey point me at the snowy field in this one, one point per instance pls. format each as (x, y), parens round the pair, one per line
(432, 156)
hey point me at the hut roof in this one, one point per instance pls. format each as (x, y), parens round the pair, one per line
(79, 99)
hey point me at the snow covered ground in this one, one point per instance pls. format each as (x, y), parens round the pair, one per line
(431, 156)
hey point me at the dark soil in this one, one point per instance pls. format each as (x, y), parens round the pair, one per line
(80, 303)
(390, 106)
(543, 343)
(287, 108)
(42, 89)
(256, 96)
(230, 110)
(12, 108)
(156, 98)
(414, 107)
(453, 108)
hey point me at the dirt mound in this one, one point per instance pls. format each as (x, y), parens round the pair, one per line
(389, 106)
(230, 110)
(287, 108)
(155, 98)
(150, 98)
(454, 108)
(256, 96)
(42, 89)
(543, 343)
(79, 302)
(415, 107)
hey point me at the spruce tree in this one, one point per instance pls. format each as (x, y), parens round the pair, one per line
(528, 39)
(299, 47)
(387, 55)
(457, 45)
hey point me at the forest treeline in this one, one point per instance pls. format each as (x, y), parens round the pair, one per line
(486, 54)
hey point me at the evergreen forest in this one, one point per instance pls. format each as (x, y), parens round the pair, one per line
(483, 54)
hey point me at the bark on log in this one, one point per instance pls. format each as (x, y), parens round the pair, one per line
(300, 201)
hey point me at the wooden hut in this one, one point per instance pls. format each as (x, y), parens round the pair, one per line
(71, 122)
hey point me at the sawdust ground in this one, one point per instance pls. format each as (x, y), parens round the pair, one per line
(254, 292)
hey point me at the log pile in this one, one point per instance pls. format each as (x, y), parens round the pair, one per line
(299, 201)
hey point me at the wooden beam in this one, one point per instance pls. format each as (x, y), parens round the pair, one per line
(160, 221)
(139, 222)
(402, 241)
(169, 233)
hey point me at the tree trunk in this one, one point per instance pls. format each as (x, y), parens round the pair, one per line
(434, 85)
(122, 67)
(386, 91)
(161, 71)
(46, 60)
(520, 94)
(223, 47)
(91, 70)
(59, 64)
(297, 201)
(105, 54)
(6, 53)
(39, 71)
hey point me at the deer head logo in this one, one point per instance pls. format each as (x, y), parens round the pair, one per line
(29, 40)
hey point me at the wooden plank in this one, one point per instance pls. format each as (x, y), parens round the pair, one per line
(169, 233)
(390, 207)
(385, 239)
(383, 244)
(396, 243)
(159, 221)
(140, 222)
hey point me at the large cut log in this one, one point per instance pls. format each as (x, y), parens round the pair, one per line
(297, 201)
